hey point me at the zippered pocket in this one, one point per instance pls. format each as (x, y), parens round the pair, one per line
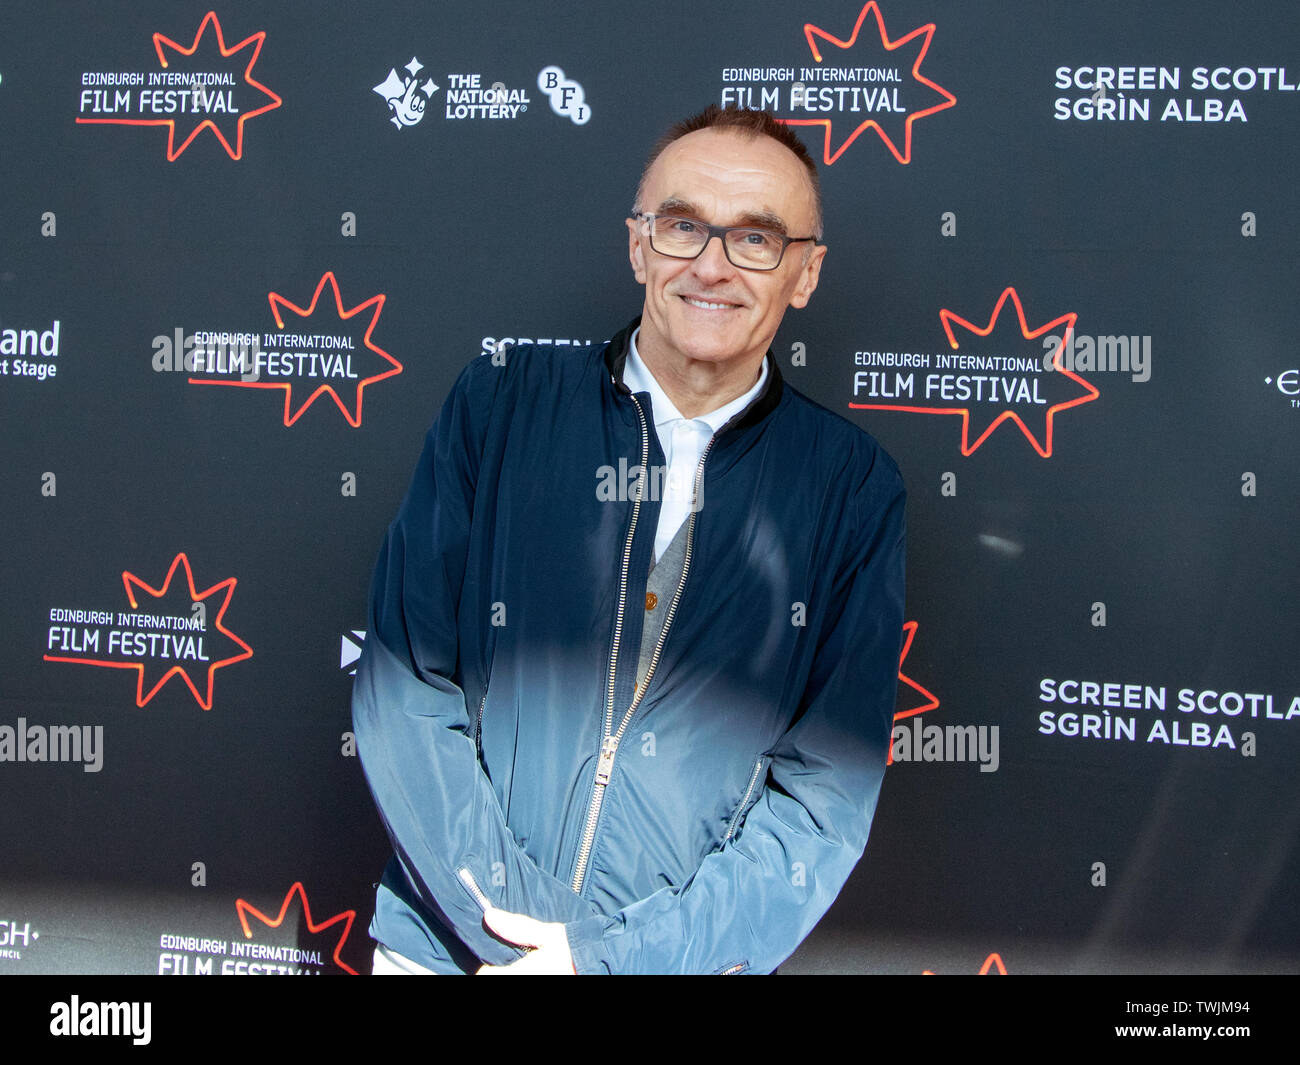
(478, 727)
(467, 880)
(733, 970)
(754, 778)
(471, 885)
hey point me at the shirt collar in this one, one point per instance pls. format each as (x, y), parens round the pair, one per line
(638, 378)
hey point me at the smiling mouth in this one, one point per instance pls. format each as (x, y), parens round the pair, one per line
(709, 305)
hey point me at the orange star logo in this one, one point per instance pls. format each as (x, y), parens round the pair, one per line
(182, 644)
(1044, 445)
(925, 34)
(390, 367)
(928, 700)
(202, 98)
(346, 917)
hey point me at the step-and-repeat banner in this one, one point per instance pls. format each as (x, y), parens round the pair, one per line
(245, 251)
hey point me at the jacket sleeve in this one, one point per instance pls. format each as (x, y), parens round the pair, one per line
(414, 731)
(750, 903)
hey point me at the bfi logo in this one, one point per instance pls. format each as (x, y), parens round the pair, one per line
(13, 936)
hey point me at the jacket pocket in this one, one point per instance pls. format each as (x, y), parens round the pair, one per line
(755, 781)
(478, 727)
(471, 885)
(477, 722)
(739, 969)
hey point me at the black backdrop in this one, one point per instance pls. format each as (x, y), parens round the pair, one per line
(1121, 526)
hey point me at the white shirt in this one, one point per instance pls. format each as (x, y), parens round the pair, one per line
(683, 441)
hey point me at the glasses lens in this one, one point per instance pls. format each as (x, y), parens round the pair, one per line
(685, 238)
(756, 249)
(681, 237)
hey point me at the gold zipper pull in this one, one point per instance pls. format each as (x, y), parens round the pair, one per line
(608, 748)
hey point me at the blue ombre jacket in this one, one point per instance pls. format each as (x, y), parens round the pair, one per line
(702, 824)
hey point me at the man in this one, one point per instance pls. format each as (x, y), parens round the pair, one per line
(640, 728)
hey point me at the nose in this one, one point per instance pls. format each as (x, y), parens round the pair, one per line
(712, 263)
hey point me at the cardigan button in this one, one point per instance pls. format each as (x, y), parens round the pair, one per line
(651, 600)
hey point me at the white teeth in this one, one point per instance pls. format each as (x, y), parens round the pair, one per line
(706, 306)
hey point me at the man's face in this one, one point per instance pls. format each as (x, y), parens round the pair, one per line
(706, 309)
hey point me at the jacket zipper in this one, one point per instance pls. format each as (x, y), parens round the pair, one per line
(753, 779)
(608, 745)
(467, 878)
(611, 739)
(478, 726)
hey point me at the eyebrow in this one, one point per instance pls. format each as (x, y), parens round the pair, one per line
(756, 219)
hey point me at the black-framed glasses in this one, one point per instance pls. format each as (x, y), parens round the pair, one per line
(748, 247)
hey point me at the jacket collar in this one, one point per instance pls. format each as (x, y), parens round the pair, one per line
(763, 405)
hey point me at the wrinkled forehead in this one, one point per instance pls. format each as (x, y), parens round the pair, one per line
(731, 176)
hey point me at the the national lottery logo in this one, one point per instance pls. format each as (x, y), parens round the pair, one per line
(172, 631)
(204, 85)
(470, 99)
(407, 96)
(865, 81)
(472, 96)
(990, 377)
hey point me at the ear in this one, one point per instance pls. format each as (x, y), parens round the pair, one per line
(635, 253)
(809, 274)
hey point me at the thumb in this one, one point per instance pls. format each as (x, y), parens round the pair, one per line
(516, 928)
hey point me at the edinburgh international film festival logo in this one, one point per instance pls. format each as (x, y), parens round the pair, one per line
(172, 631)
(285, 939)
(319, 350)
(1002, 372)
(866, 81)
(204, 85)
